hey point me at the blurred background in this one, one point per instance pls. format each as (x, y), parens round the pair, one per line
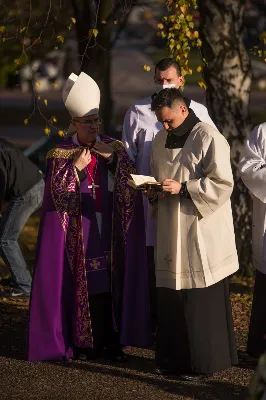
(30, 101)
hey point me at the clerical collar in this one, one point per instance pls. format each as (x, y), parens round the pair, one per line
(76, 141)
(188, 124)
(177, 137)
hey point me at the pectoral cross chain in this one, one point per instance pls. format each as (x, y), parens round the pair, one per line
(93, 187)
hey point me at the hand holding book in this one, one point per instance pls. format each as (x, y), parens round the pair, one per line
(142, 182)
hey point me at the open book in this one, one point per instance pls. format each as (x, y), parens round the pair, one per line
(142, 182)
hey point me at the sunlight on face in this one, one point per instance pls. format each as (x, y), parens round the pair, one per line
(87, 128)
(172, 117)
(169, 76)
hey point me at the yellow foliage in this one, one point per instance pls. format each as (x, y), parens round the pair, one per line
(47, 131)
(45, 102)
(146, 68)
(37, 84)
(202, 84)
(179, 29)
(199, 69)
(26, 121)
(60, 38)
(61, 133)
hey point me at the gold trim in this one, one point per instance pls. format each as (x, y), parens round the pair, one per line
(63, 153)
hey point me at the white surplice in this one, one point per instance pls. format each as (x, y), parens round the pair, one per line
(252, 168)
(195, 245)
(139, 130)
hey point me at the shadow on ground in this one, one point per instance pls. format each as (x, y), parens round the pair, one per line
(137, 373)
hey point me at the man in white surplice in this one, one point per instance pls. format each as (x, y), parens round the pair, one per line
(252, 168)
(195, 250)
(140, 128)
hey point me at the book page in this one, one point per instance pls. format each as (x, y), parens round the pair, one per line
(141, 179)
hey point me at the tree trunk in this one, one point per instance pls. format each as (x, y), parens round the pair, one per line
(94, 52)
(227, 74)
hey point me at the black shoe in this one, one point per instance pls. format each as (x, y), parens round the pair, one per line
(115, 355)
(162, 371)
(86, 354)
(15, 293)
(195, 377)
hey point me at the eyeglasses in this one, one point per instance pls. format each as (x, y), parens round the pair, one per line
(90, 122)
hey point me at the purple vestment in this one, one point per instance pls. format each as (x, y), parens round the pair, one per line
(72, 258)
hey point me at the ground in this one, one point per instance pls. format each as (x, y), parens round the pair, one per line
(134, 379)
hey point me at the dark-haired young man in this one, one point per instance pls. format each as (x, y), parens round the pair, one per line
(195, 244)
(21, 193)
(140, 128)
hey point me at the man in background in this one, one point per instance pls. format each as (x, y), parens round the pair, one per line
(21, 193)
(252, 168)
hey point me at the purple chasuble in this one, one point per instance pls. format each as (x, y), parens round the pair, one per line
(73, 258)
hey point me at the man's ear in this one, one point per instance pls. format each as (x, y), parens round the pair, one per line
(181, 80)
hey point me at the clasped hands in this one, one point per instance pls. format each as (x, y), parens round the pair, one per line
(168, 185)
(84, 157)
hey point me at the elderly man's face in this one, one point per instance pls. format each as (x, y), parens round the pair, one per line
(87, 128)
(172, 117)
(168, 77)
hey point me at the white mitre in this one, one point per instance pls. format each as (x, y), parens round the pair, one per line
(81, 95)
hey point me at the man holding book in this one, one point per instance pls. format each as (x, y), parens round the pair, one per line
(140, 128)
(195, 250)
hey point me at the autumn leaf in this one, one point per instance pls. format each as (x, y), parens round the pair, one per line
(37, 84)
(47, 131)
(45, 102)
(202, 84)
(95, 32)
(61, 133)
(73, 20)
(199, 68)
(60, 38)
(146, 68)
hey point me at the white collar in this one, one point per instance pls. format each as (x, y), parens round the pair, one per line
(75, 139)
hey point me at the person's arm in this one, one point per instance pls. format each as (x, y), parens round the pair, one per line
(130, 131)
(3, 181)
(252, 167)
(215, 187)
(153, 197)
(111, 163)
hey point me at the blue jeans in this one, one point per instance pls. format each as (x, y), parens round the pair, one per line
(12, 222)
